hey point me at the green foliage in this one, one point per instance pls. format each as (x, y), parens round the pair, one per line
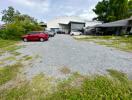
(17, 24)
(101, 10)
(8, 15)
(130, 7)
(15, 30)
(112, 10)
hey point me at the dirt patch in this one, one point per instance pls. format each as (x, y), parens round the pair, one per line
(65, 70)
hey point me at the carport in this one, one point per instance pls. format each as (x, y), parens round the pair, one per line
(116, 27)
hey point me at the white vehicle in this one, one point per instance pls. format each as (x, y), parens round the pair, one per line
(75, 32)
(50, 33)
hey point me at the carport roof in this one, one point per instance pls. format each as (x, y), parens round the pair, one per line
(73, 22)
(119, 23)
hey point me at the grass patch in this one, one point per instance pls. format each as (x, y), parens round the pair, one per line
(9, 58)
(8, 46)
(37, 89)
(5, 43)
(16, 53)
(120, 42)
(65, 70)
(27, 57)
(89, 88)
(95, 88)
(9, 72)
(119, 75)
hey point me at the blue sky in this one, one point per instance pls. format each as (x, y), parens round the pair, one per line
(45, 10)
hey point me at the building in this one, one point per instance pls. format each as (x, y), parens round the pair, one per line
(117, 27)
(89, 29)
(66, 24)
(43, 25)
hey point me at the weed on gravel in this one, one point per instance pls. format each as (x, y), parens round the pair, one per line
(65, 70)
(9, 72)
(37, 89)
(120, 42)
(76, 87)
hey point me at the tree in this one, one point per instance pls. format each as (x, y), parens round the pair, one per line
(8, 15)
(17, 24)
(111, 10)
(101, 10)
(130, 7)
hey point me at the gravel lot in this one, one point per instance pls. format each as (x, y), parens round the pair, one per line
(78, 56)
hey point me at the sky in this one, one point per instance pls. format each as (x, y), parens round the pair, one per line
(45, 10)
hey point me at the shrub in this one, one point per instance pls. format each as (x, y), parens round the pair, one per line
(14, 31)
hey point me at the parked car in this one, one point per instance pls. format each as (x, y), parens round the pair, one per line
(75, 32)
(60, 32)
(50, 33)
(35, 36)
(90, 31)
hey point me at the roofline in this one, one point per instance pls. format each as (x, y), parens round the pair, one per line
(77, 22)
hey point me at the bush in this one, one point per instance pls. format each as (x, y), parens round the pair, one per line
(14, 31)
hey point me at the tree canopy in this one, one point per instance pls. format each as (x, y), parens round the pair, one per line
(112, 10)
(11, 15)
(17, 24)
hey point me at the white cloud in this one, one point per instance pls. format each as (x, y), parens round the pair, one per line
(88, 14)
(36, 5)
(70, 13)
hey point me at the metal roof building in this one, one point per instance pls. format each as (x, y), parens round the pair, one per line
(116, 27)
(119, 23)
(68, 23)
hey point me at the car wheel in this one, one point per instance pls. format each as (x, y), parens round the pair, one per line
(25, 40)
(42, 39)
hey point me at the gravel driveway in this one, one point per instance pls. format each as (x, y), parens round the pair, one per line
(78, 56)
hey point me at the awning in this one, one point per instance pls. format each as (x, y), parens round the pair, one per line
(120, 23)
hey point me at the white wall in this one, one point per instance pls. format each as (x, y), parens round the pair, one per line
(92, 23)
(64, 20)
(76, 26)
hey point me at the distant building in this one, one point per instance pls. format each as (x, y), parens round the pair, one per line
(116, 27)
(66, 24)
(92, 23)
(43, 25)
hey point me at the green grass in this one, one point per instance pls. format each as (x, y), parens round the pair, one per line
(38, 88)
(26, 57)
(76, 87)
(120, 42)
(95, 88)
(8, 45)
(5, 43)
(118, 75)
(8, 72)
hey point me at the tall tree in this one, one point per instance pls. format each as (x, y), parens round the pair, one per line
(130, 7)
(101, 10)
(11, 15)
(8, 15)
(115, 10)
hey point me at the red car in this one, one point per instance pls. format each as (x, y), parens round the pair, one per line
(35, 36)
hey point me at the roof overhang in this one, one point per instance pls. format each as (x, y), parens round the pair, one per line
(120, 23)
(76, 22)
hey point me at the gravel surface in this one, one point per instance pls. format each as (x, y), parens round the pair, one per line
(78, 56)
